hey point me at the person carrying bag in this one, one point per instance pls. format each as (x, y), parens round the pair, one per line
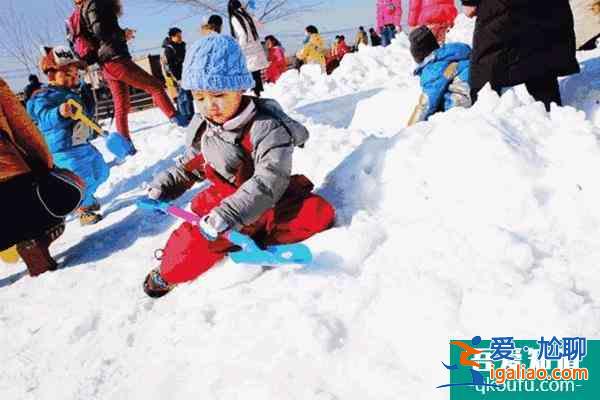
(35, 196)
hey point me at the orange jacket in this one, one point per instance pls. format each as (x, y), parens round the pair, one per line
(15, 122)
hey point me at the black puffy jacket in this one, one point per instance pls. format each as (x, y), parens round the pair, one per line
(519, 40)
(174, 55)
(103, 24)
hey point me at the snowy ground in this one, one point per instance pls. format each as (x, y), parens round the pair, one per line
(478, 222)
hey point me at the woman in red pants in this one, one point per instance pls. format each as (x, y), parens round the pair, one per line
(243, 145)
(99, 18)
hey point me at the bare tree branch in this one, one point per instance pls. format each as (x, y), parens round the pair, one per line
(267, 10)
(22, 35)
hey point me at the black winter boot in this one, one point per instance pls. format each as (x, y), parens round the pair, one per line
(155, 286)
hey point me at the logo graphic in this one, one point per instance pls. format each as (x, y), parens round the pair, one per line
(550, 368)
(467, 352)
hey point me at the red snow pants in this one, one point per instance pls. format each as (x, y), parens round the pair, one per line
(122, 73)
(299, 215)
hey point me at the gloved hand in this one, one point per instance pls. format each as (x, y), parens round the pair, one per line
(212, 225)
(66, 110)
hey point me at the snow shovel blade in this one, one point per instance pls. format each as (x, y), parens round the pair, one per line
(274, 255)
(296, 253)
(118, 145)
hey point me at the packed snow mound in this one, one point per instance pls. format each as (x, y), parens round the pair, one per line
(370, 67)
(478, 222)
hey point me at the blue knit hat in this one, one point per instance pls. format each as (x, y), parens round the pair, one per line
(216, 63)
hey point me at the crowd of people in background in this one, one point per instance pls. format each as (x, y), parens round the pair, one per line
(241, 143)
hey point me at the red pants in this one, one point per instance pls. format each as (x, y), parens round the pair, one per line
(295, 218)
(122, 73)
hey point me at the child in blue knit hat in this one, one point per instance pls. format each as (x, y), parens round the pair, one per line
(242, 145)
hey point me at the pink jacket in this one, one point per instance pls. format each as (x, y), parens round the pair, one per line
(388, 12)
(277, 66)
(428, 12)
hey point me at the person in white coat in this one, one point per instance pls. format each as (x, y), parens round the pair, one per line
(244, 31)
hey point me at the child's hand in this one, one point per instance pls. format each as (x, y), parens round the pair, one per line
(212, 225)
(66, 110)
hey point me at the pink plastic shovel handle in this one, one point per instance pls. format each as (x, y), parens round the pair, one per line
(183, 214)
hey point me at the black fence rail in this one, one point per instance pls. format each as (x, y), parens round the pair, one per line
(105, 108)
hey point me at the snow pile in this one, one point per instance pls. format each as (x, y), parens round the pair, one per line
(478, 222)
(370, 67)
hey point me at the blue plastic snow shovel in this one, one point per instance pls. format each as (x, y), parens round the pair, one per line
(251, 253)
(115, 142)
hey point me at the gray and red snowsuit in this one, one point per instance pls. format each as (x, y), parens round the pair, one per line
(248, 161)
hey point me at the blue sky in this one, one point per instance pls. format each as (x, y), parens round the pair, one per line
(152, 22)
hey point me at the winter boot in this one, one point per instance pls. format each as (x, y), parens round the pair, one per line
(50, 236)
(155, 286)
(36, 256)
(87, 217)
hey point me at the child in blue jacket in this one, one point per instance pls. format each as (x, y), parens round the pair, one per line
(444, 73)
(68, 139)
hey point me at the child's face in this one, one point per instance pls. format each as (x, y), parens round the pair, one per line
(67, 76)
(219, 107)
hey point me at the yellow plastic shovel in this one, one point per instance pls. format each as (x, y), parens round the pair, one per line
(79, 115)
(116, 143)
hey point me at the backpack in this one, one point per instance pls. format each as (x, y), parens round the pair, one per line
(80, 39)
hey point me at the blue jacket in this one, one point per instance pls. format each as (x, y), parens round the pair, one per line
(69, 150)
(444, 81)
(43, 108)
